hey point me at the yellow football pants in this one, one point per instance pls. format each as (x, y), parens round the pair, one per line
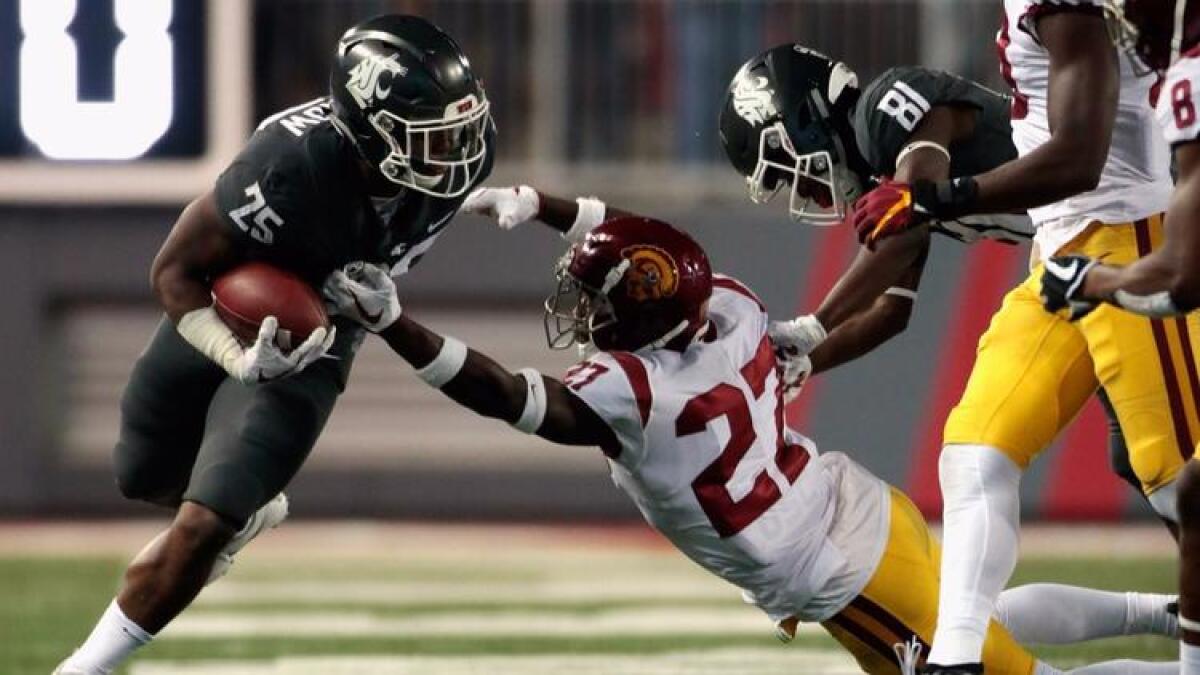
(1034, 370)
(901, 601)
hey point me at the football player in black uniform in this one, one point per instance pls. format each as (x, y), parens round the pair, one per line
(215, 430)
(795, 120)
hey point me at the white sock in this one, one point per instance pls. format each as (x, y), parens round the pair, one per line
(981, 518)
(1055, 614)
(113, 639)
(1189, 659)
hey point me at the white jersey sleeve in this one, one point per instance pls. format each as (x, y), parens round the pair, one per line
(1177, 102)
(615, 385)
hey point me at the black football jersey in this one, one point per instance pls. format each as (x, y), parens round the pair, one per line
(893, 104)
(296, 198)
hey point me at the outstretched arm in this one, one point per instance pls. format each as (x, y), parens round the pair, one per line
(527, 400)
(1164, 283)
(511, 206)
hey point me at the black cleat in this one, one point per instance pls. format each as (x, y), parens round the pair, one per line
(956, 669)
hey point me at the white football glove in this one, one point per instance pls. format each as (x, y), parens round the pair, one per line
(365, 293)
(510, 206)
(261, 361)
(793, 341)
(264, 360)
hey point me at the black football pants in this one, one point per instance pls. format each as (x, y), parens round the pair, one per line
(191, 433)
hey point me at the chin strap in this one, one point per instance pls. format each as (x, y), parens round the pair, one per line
(671, 335)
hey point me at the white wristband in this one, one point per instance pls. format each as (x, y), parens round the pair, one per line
(902, 293)
(917, 145)
(1157, 305)
(535, 402)
(590, 214)
(203, 329)
(446, 364)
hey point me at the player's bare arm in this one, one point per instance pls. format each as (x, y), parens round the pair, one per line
(526, 400)
(1166, 282)
(512, 206)
(1082, 97)
(875, 269)
(1081, 106)
(884, 320)
(872, 302)
(199, 247)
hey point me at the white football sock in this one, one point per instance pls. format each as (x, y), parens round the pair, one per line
(113, 639)
(1055, 614)
(1189, 659)
(981, 518)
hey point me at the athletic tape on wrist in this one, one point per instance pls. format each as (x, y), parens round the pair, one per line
(902, 293)
(446, 364)
(535, 402)
(590, 214)
(917, 145)
(1158, 305)
(203, 329)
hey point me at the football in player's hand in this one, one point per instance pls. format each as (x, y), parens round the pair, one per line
(249, 293)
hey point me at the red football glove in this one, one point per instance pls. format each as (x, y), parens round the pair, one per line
(884, 211)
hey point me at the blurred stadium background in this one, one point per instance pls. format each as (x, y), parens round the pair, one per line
(615, 98)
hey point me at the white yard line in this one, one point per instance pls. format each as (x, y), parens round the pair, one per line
(766, 661)
(641, 622)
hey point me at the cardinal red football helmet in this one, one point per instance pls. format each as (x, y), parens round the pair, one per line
(633, 283)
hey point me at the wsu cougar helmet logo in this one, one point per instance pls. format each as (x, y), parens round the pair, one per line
(753, 101)
(652, 273)
(366, 79)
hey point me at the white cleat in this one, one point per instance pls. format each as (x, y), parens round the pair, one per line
(269, 516)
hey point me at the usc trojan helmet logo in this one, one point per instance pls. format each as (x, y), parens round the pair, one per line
(652, 273)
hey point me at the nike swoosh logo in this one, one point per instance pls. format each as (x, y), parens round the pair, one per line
(371, 318)
(436, 225)
(1061, 271)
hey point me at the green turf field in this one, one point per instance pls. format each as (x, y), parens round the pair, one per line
(516, 609)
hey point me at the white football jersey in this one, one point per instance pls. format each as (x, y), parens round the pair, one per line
(706, 457)
(1136, 181)
(1176, 110)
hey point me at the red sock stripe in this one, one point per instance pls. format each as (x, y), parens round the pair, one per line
(987, 273)
(1183, 435)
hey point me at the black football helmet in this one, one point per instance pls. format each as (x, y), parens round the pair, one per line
(1154, 32)
(404, 92)
(786, 120)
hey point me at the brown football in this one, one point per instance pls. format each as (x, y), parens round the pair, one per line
(249, 293)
